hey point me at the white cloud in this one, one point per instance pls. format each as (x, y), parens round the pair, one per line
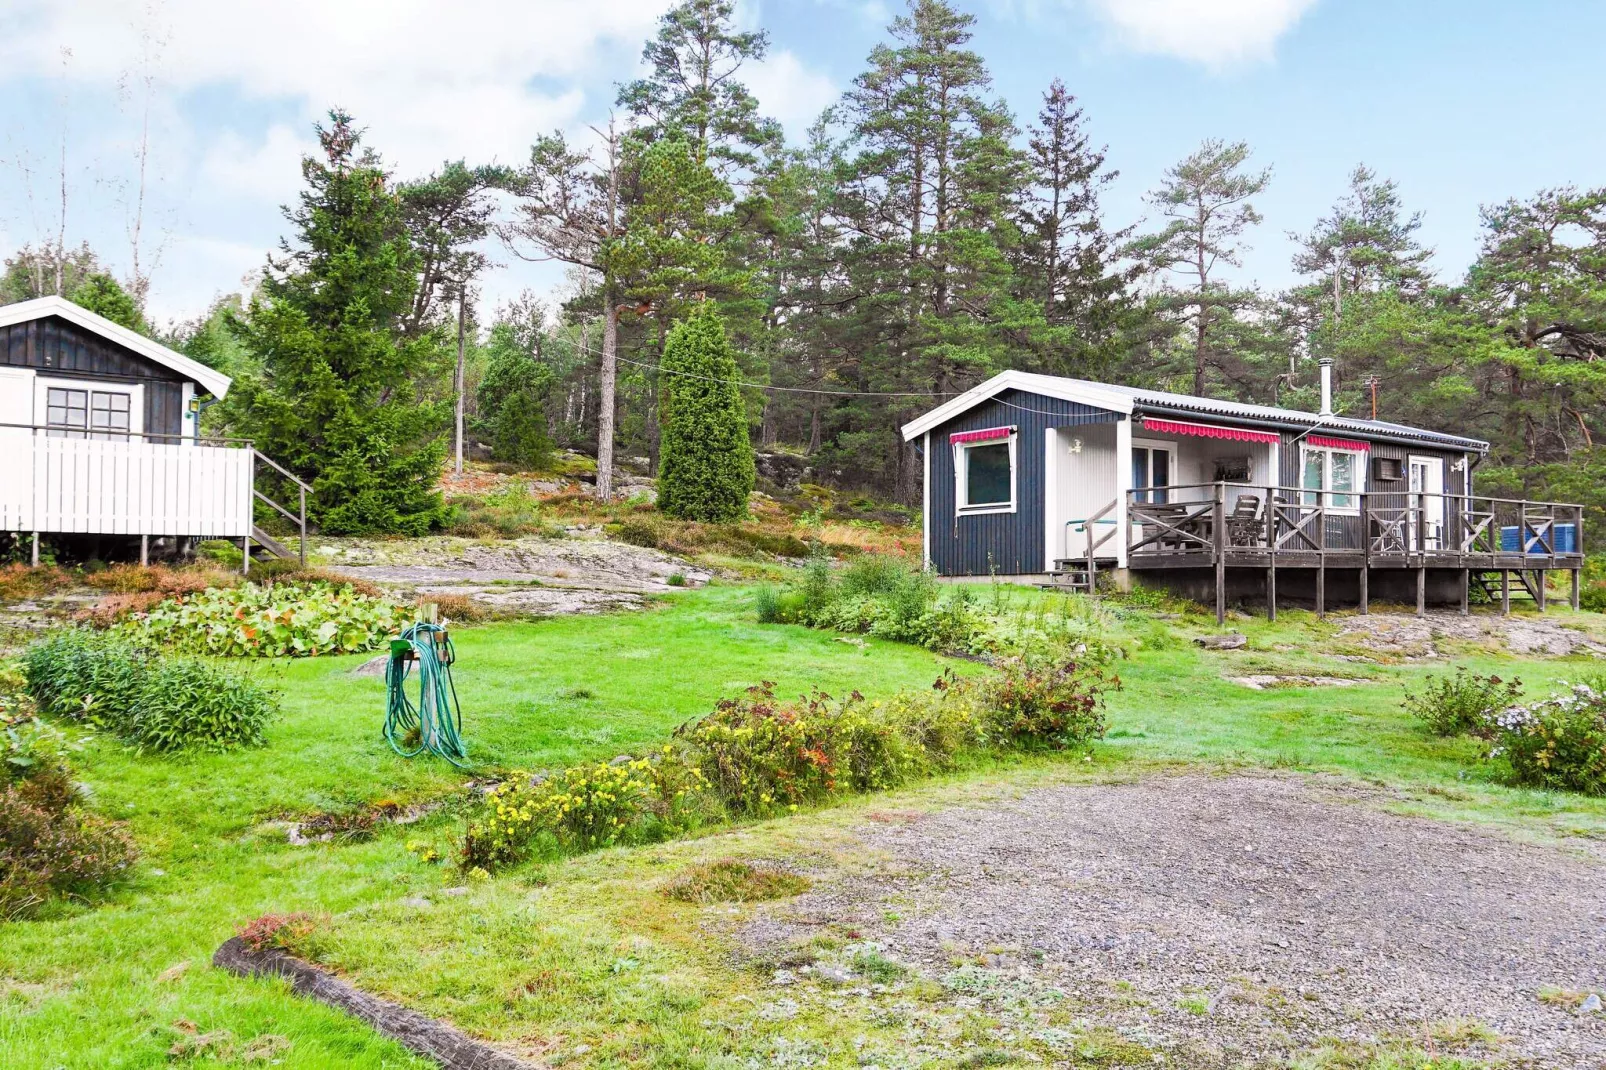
(1216, 33)
(789, 91)
(197, 270)
(269, 170)
(431, 81)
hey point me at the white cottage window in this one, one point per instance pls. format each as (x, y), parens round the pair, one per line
(984, 470)
(1339, 472)
(97, 414)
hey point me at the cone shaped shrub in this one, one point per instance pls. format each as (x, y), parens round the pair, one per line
(706, 461)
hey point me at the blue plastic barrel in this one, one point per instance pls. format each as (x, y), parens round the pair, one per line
(1563, 537)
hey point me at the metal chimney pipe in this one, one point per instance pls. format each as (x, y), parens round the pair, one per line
(1327, 385)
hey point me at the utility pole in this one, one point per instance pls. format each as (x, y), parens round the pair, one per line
(462, 302)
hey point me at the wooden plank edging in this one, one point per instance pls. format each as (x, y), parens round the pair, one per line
(419, 1033)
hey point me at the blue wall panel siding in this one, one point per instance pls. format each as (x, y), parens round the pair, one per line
(1009, 544)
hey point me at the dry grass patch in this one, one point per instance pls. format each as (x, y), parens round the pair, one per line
(731, 881)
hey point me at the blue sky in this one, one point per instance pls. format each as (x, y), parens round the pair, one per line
(1463, 103)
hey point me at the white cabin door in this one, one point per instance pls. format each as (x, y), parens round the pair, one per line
(1427, 501)
(16, 448)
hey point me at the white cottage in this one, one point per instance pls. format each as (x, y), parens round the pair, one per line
(99, 435)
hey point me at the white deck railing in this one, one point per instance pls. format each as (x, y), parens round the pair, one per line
(136, 485)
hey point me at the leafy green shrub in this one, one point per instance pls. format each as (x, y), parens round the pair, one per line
(49, 847)
(767, 604)
(1465, 702)
(640, 531)
(189, 703)
(508, 513)
(584, 807)
(282, 620)
(732, 881)
(283, 931)
(85, 675)
(893, 599)
(1558, 743)
(1032, 704)
(756, 754)
(155, 702)
(221, 551)
(1593, 598)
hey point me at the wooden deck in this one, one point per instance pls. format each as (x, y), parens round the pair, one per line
(1231, 528)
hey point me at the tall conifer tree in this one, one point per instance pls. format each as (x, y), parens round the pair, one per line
(337, 399)
(706, 468)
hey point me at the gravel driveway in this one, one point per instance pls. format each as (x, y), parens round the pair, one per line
(1241, 919)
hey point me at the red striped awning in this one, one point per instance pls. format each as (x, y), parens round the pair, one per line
(1182, 427)
(1339, 443)
(985, 435)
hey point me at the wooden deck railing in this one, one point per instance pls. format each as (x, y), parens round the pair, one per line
(1241, 525)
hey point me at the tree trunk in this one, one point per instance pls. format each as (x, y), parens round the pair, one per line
(417, 1032)
(462, 301)
(610, 367)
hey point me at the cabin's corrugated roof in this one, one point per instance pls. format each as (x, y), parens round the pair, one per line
(1272, 414)
(1129, 399)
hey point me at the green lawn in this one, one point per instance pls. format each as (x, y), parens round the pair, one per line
(83, 990)
(585, 949)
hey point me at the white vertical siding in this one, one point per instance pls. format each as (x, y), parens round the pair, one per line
(1084, 482)
(123, 488)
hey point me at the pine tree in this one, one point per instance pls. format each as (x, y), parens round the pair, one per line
(512, 399)
(1207, 198)
(693, 93)
(338, 399)
(1068, 262)
(706, 465)
(930, 192)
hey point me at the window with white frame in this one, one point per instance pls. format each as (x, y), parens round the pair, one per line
(1339, 472)
(984, 471)
(97, 414)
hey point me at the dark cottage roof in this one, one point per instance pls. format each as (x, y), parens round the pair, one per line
(42, 307)
(1130, 399)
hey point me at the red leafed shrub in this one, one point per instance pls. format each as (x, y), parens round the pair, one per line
(49, 850)
(758, 752)
(276, 930)
(1053, 704)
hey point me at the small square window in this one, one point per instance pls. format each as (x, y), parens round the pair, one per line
(985, 474)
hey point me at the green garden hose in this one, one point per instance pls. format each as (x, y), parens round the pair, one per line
(435, 724)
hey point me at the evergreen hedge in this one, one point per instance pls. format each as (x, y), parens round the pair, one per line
(705, 460)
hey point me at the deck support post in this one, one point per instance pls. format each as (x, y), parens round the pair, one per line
(1466, 591)
(35, 554)
(1505, 591)
(1366, 557)
(1539, 588)
(1577, 587)
(1271, 553)
(1321, 558)
(245, 555)
(1219, 536)
(144, 550)
(1421, 591)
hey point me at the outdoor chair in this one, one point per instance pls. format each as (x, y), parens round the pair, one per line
(1244, 524)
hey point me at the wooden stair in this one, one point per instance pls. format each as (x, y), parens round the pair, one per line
(1071, 574)
(270, 544)
(1489, 583)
